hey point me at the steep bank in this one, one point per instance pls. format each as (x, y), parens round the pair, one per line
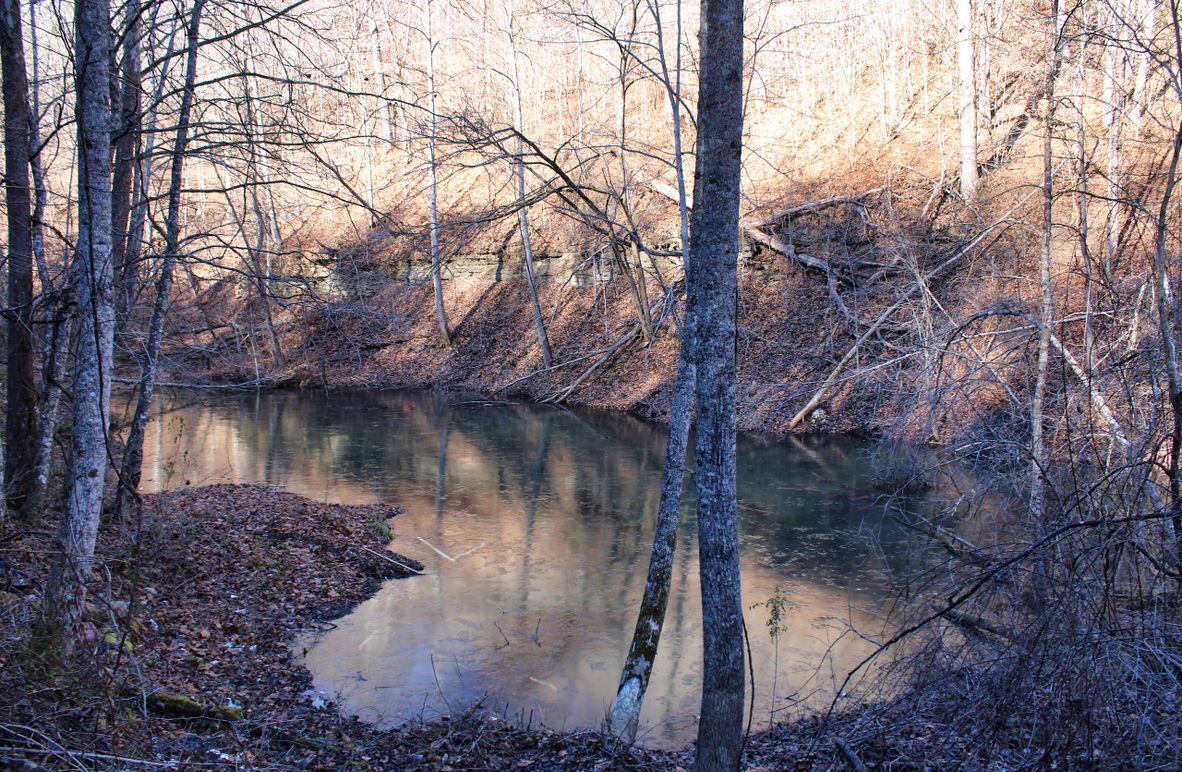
(792, 334)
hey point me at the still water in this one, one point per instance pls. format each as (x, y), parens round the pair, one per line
(534, 524)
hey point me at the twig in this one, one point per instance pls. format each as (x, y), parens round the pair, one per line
(851, 758)
(432, 546)
(86, 755)
(392, 560)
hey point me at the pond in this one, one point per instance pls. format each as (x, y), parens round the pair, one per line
(534, 525)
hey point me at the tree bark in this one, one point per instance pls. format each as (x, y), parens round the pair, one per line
(624, 717)
(968, 101)
(133, 454)
(21, 416)
(712, 280)
(92, 269)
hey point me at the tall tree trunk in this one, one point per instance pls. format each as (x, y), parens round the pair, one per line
(126, 141)
(65, 592)
(968, 101)
(712, 281)
(133, 454)
(432, 167)
(1038, 451)
(523, 213)
(21, 416)
(129, 280)
(55, 347)
(1167, 311)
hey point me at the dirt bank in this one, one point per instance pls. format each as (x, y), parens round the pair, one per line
(392, 340)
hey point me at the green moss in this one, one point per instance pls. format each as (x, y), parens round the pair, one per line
(384, 532)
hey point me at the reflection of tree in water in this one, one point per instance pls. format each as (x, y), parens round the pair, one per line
(794, 495)
(550, 513)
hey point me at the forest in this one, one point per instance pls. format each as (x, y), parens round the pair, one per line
(810, 368)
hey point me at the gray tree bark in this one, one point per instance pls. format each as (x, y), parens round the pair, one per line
(21, 416)
(133, 454)
(712, 282)
(968, 101)
(623, 719)
(92, 270)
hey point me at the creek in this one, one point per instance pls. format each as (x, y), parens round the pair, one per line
(534, 525)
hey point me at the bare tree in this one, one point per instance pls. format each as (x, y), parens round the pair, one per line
(92, 271)
(21, 416)
(519, 169)
(433, 172)
(712, 278)
(968, 101)
(1038, 450)
(133, 454)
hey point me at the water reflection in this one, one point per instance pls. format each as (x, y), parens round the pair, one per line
(534, 525)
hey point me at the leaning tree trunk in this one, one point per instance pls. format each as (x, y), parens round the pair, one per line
(133, 454)
(21, 416)
(623, 719)
(65, 592)
(712, 281)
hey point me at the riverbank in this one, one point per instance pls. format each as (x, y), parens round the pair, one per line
(187, 663)
(391, 340)
(187, 660)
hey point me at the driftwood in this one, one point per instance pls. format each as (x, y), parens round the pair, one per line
(978, 623)
(386, 557)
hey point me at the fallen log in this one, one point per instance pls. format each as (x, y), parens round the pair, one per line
(180, 706)
(810, 206)
(883, 317)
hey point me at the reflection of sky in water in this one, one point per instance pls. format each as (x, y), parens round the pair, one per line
(534, 526)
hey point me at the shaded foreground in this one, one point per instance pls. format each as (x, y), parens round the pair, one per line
(187, 660)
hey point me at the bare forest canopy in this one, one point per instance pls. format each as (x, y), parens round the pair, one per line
(335, 146)
(951, 221)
